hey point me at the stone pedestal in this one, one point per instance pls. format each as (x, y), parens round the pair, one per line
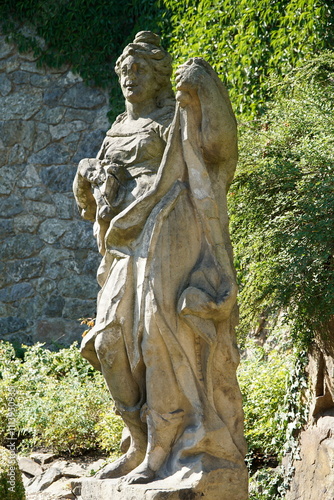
(216, 485)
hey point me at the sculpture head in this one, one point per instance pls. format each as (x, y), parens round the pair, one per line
(144, 70)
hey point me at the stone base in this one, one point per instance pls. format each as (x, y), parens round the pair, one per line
(216, 485)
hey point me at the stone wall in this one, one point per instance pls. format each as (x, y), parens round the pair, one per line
(49, 121)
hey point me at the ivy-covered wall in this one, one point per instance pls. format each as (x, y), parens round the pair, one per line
(49, 121)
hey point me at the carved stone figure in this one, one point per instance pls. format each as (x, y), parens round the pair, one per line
(164, 334)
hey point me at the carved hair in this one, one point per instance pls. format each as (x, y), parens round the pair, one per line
(147, 46)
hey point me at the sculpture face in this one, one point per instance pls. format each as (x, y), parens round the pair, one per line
(137, 80)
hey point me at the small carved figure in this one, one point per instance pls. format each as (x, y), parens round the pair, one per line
(164, 334)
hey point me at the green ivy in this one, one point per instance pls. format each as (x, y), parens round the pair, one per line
(248, 40)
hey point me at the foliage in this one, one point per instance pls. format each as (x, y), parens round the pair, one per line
(61, 402)
(274, 386)
(263, 382)
(109, 431)
(248, 40)
(282, 204)
(8, 491)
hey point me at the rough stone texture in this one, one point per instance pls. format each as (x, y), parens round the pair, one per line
(164, 334)
(49, 120)
(217, 485)
(314, 472)
(48, 478)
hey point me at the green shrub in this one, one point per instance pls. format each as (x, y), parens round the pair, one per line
(62, 403)
(263, 381)
(282, 203)
(11, 486)
(109, 431)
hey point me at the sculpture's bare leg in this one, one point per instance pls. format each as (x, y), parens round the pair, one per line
(111, 352)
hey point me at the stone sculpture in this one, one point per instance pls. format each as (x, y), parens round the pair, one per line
(164, 333)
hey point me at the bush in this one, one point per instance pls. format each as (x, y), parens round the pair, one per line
(282, 203)
(263, 382)
(11, 486)
(62, 402)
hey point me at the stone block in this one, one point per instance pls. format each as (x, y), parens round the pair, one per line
(44, 481)
(54, 306)
(10, 206)
(216, 485)
(26, 223)
(24, 269)
(89, 145)
(12, 324)
(16, 292)
(83, 97)
(6, 228)
(29, 466)
(29, 177)
(20, 105)
(59, 178)
(40, 209)
(54, 154)
(50, 115)
(5, 85)
(20, 246)
(51, 230)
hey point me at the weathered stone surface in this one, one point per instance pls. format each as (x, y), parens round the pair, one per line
(26, 223)
(40, 209)
(217, 485)
(29, 466)
(83, 97)
(5, 85)
(65, 207)
(10, 206)
(89, 145)
(12, 324)
(17, 155)
(44, 480)
(20, 105)
(37, 194)
(20, 246)
(167, 307)
(16, 292)
(43, 458)
(51, 115)
(79, 308)
(58, 178)
(6, 49)
(314, 471)
(8, 178)
(76, 287)
(51, 230)
(54, 306)
(64, 130)
(6, 228)
(20, 77)
(78, 235)
(55, 154)
(24, 269)
(29, 177)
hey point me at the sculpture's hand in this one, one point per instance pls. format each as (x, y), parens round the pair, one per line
(189, 77)
(83, 191)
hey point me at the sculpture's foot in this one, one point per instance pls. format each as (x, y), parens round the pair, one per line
(140, 475)
(121, 466)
